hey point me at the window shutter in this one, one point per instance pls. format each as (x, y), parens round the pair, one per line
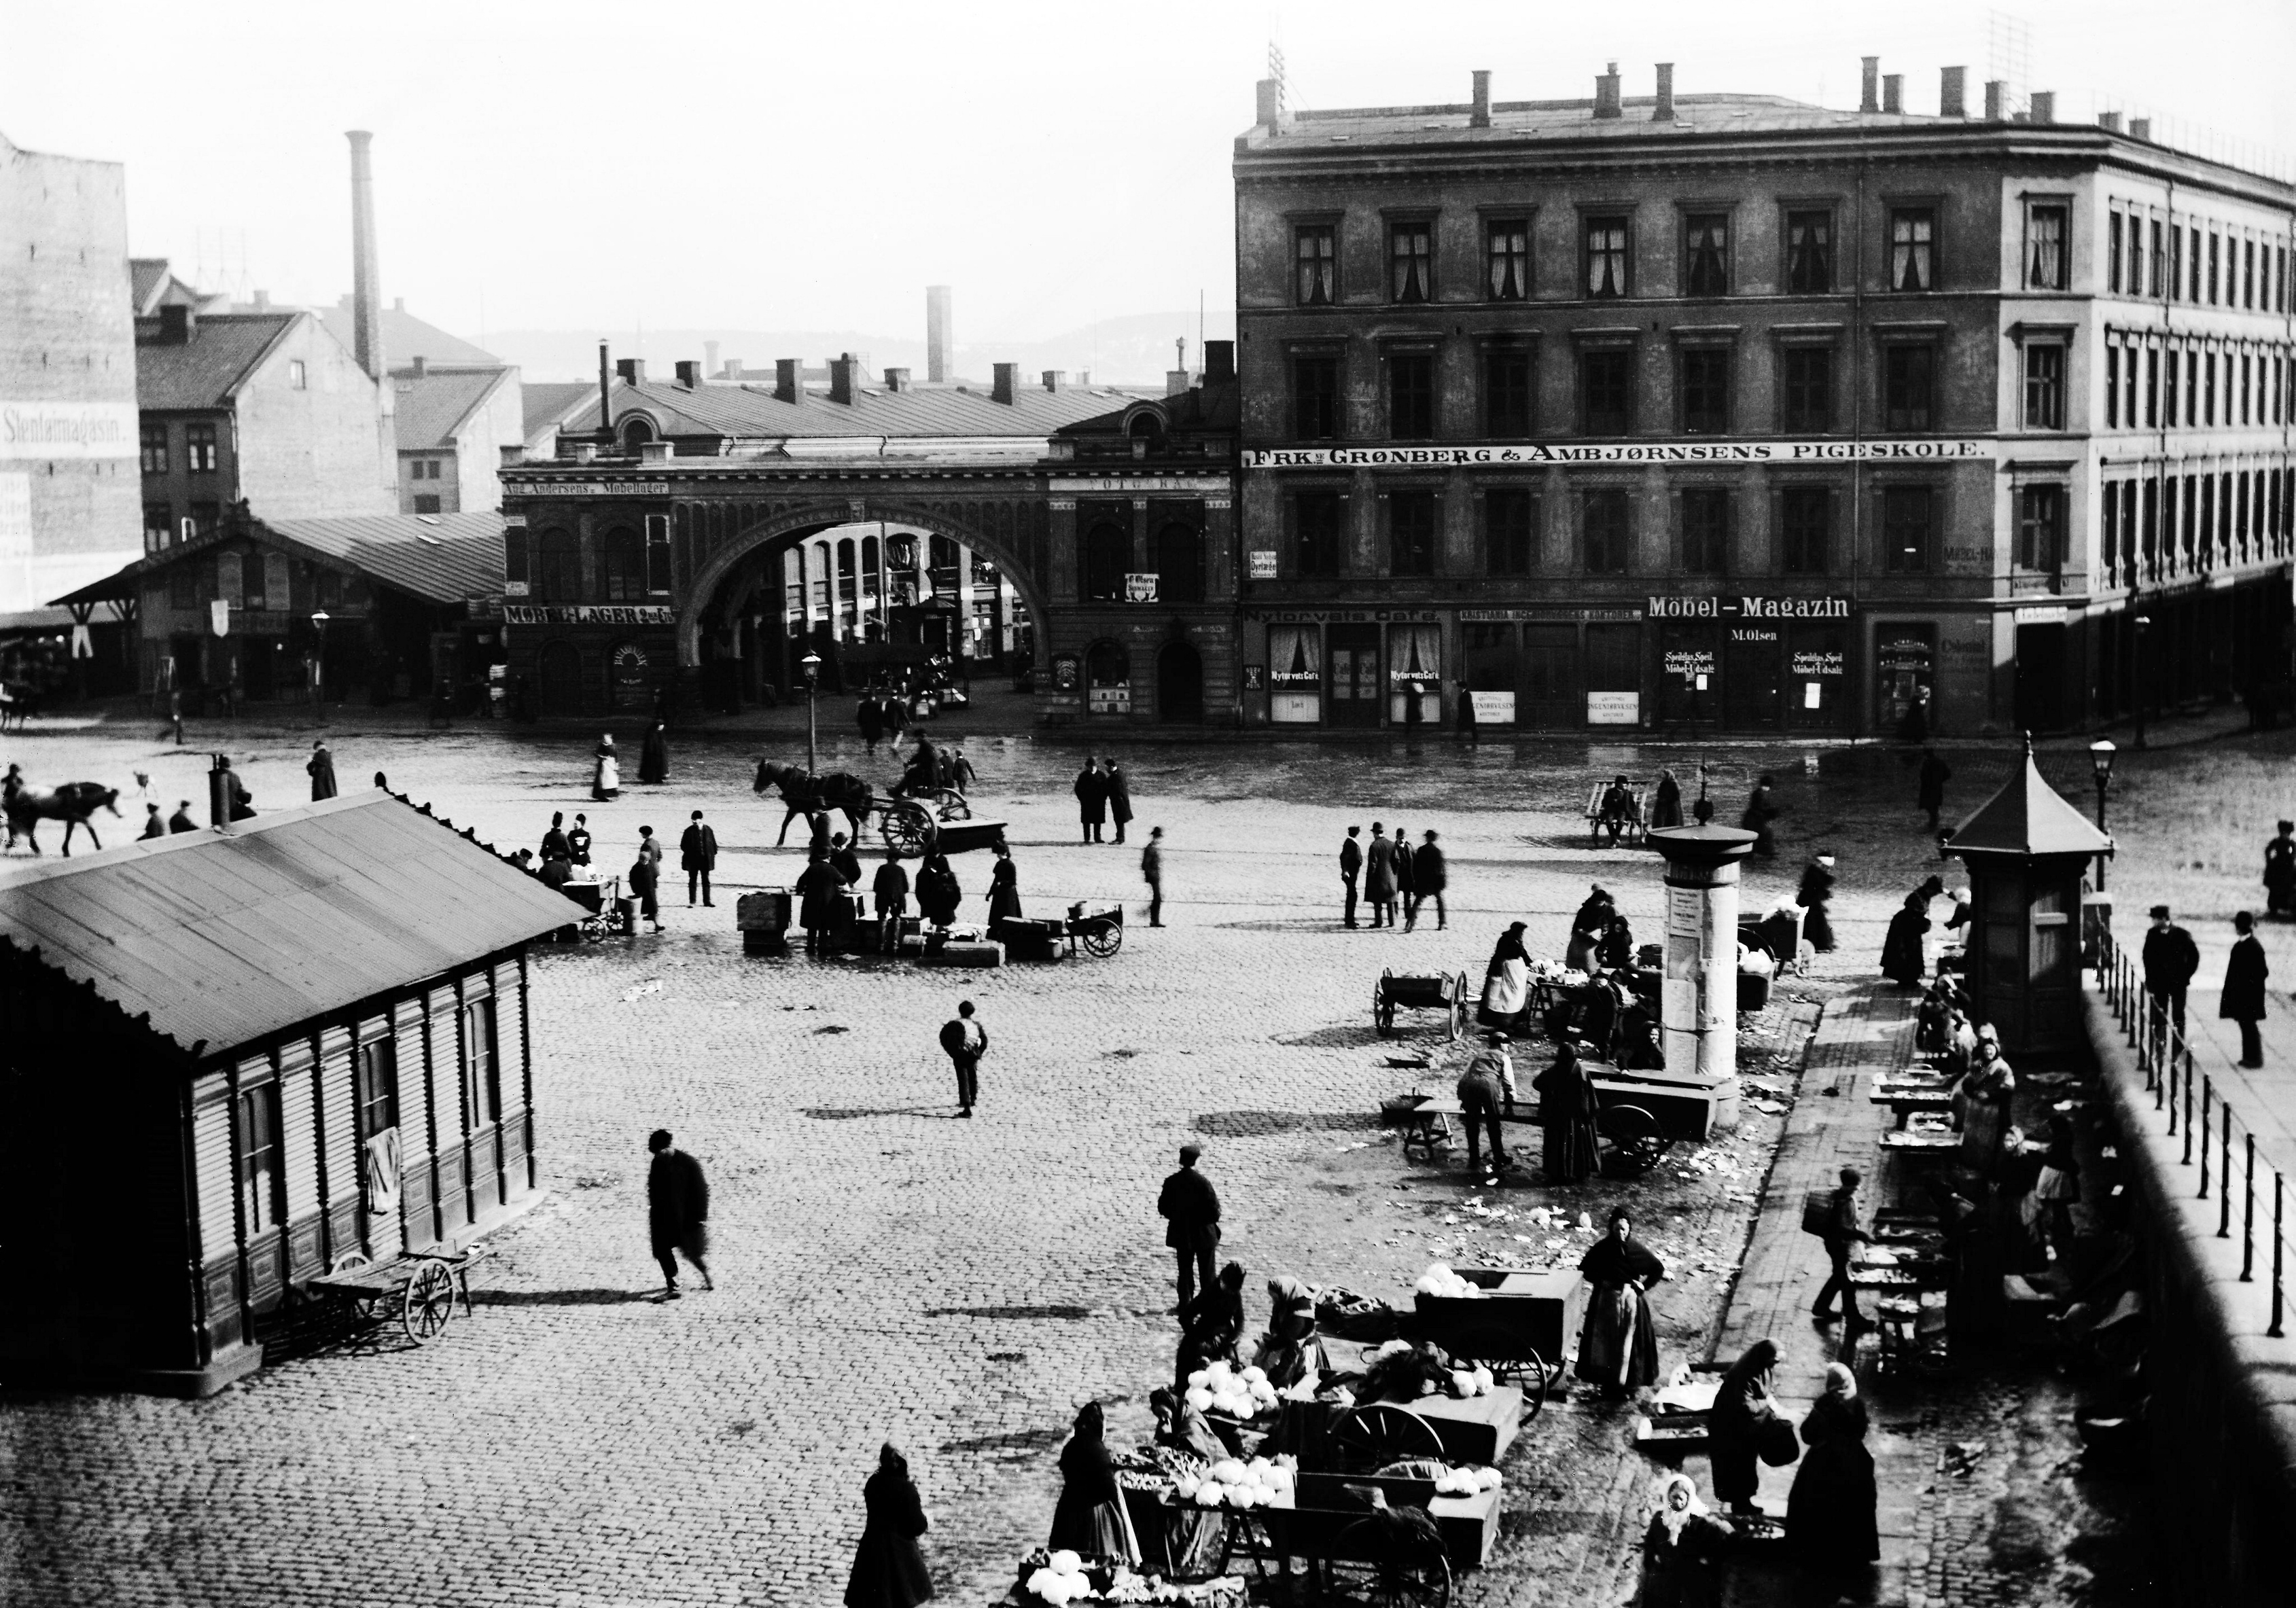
(275, 581)
(228, 578)
(657, 529)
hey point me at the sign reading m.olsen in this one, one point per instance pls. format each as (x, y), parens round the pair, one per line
(1621, 452)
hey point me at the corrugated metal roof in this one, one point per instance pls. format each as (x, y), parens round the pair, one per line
(228, 937)
(756, 413)
(432, 404)
(2027, 817)
(206, 369)
(444, 557)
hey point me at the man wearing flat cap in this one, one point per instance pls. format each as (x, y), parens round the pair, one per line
(1841, 1232)
(1486, 1088)
(2170, 959)
(1189, 1207)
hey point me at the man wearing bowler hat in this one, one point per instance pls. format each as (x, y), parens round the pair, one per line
(2170, 959)
(1189, 1207)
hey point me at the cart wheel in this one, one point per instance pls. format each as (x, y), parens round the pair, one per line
(1101, 938)
(953, 807)
(909, 828)
(1458, 1008)
(1413, 1577)
(1381, 1433)
(1509, 1357)
(1636, 1140)
(429, 1301)
(1382, 1008)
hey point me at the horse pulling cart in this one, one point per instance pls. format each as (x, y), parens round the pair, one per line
(419, 1288)
(912, 825)
(1420, 992)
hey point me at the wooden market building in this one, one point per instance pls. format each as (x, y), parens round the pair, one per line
(235, 1057)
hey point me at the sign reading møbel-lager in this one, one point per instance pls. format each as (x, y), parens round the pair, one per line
(1750, 608)
(1619, 451)
(588, 614)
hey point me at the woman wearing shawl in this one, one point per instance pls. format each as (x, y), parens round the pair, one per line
(1666, 801)
(1291, 1349)
(937, 894)
(1090, 1518)
(1742, 1406)
(819, 888)
(889, 1571)
(1981, 1101)
(1586, 929)
(1830, 1521)
(606, 771)
(1212, 1324)
(1003, 887)
(1681, 1549)
(1902, 950)
(1618, 1348)
(653, 760)
(1506, 982)
(1566, 1117)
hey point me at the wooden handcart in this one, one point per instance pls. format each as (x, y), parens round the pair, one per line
(1098, 929)
(940, 822)
(420, 1287)
(1420, 991)
(1519, 1328)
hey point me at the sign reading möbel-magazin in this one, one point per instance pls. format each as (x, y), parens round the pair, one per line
(1748, 608)
(1915, 451)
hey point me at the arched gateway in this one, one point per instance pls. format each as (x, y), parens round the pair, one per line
(660, 573)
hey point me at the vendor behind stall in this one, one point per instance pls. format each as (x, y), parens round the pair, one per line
(1291, 1349)
(1506, 982)
(1090, 1517)
(1212, 1324)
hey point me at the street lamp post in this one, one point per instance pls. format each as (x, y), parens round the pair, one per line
(811, 665)
(2144, 623)
(2100, 759)
(319, 665)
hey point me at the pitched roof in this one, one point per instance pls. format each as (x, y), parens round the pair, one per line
(548, 402)
(2026, 817)
(754, 412)
(405, 336)
(147, 277)
(444, 558)
(204, 371)
(431, 406)
(225, 938)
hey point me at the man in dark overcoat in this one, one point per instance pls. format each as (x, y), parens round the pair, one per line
(1935, 774)
(2243, 999)
(1191, 1209)
(1429, 877)
(2170, 959)
(697, 853)
(678, 1212)
(1092, 801)
(1352, 859)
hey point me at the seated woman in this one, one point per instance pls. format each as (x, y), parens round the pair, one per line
(1617, 949)
(1291, 1349)
(1090, 1517)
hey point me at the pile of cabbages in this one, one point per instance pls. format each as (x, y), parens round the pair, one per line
(1439, 1280)
(1061, 1580)
(1466, 1481)
(1233, 1482)
(1220, 1388)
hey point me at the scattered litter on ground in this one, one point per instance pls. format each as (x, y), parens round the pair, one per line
(652, 985)
(1960, 1457)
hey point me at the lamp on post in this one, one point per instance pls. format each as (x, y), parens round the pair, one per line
(2144, 623)
(2100, 759)
(811, 665)
(319, 664)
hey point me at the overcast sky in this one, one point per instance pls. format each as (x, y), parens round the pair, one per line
(782, 165)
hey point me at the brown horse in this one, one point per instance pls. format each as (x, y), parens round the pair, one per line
(74, 804)
(813, 796)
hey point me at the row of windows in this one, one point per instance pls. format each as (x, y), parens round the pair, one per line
(2211, 266)
(2170, 381)
(2162, 527)
(1708, 531)
(1606, 254)
(253, 579)
(424, 469)
(631, 568)
(1175, 555)
(1606, 406)
(199, 448)
(163, 529)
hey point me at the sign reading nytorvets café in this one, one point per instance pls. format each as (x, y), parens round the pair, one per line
(1618, 452)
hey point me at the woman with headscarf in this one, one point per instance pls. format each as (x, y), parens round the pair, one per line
(889, 1571)
(1683, 1548)
(1291, 1349)
(1090, 1517)
(1566, 1118)
(653, 759)
(1003, 887)
(606, 771)
(937, 894)
(1618, 1349)
(1616, 951)
(1666, 801)
(1981, 1101)
(1742, 1407)
(1506, 982)
(1830, 1517)
(1588, 927)
(1901, 950)
(1211, 1325)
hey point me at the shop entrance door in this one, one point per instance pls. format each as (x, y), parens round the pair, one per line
(1353, 685)
(1751, 696)
(2040, 677)
(1551, 698)
(561, 679)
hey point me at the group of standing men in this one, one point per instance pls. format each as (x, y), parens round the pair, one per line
(2171, 958)
(1102, 795)
(1394, 875)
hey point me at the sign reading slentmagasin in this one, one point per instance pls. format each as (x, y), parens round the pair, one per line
(587, 614)
(1534, 452)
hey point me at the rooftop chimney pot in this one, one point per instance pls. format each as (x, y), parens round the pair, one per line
(1868, 99)
(422, 365)
(1056, 379)
(2140, 128)
(1893, 92)
(735, 367)
(788, 379)
(897, 380)
(689, 375)
(1996, 101)
(632, 370)
(262, 301)
(1268, 108)
(1606, 93)
(1479, 115)
(1953, 92)
(2110, 121)
(843, 379)
(1007, 383)
(177, 320)
(2045, 106)
(1664, 111)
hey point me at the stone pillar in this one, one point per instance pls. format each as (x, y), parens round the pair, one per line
(1698, 994)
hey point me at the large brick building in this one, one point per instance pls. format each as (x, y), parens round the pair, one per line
(1726, 411)
(68, 483)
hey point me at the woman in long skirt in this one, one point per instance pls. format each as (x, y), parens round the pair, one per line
(606, 773)
(889, 1571)
(1003, 887)
(1742, 1406)
(1902, 950)
(1506, 982)
(1830, 1517)
(1666, 801)
(1090, 1517)
(653, 761)
(1682, 1550)
(1566, 1118)
(1618, 1348)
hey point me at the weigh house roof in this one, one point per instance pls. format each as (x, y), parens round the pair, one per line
(227, 939)
(443, 558)
(2026, 817)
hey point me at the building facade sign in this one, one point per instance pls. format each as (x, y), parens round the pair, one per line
(1536, 452)
(549, 488)
(588, 614)
(1199, 485)
(1263, 565)
(1316, 617)
(2042, 614)
(1614, 709)
(1553, 616)
(68, 430)
(1140, 589)
(1750, 608)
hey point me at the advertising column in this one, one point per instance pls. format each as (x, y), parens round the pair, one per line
(1698, 995)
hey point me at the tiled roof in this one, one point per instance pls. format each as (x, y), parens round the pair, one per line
(548, 402)
(406, 338)
(147, 277)
(432, 404)
(1512, 122)
(442, 557)
(219, 939)
(756, 413)
(205, 370)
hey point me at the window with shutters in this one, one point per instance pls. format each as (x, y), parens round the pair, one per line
(1706, 254)
(1602, 530)
(262, 1181)
(1607, 391)
(1806, 529)
(1706, 531)
(1507, 393)
(481, 1085)
(1808, 389)
(1315, 399)
(1606, 257)
(1910, 387)
(1509, 531)
(1315, 249)
(1506, 251)
(1411, 530)
(1318, 532)
(625, 566)
(1706, 391)
(1411, 261)
(1913, 245)
(1809, 252)
(1411, 397)
(2046, 232)
(1908, 527)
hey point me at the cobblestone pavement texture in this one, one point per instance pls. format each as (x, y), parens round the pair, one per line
(887, 1271)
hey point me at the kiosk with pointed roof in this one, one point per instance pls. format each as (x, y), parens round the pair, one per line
(2025, 848)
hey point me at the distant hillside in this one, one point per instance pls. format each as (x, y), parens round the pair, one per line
(1132, 350)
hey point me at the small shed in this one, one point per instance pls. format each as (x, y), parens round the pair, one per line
(2025, 848)
(231, 1057)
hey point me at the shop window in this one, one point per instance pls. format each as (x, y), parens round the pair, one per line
(1910, 387)
(2041, 527)
(1606, 257)
(1507, 409)
(1509, 531)
(158, 526)
(154, 449)
(481, 1078)
(262, 1183)
(1912, 244)
(1411, 262)
(1316, 284)
(1315, 399)
(1107, 664)
(1414, 658)
(1809, 388)
(1179, 565)
(1706, 531)
(1908, 529)
(1806, 529)
(1107, 557)
(1410, 532)
(1809, 252)
(2045, 229)
(200, 449)
(1706, 391)
(1607, 391)
(1411, 397)
(1603, 530)
(558, 568)
(625, 567)
(2045, 386)
(1507, 255)
(1295, 673)
(1318, 532)
(375, 1080)
(1705, 253)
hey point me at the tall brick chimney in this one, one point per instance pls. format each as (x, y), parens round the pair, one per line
(1997, 99)
(845, 376)
(1869, 95)
(1478, 115)
(1893, 92)
(1606, 93)
(941, 334)
(788, 379)
(366, 267)
(2045, 105)
(1953, 92)
(2140, 128)
(1664, 111)
(1007, 382)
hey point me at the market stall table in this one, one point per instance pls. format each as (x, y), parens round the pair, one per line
(1524, 1322)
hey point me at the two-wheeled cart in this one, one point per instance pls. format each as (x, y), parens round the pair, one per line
(1420, 991)
(417, 1287)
